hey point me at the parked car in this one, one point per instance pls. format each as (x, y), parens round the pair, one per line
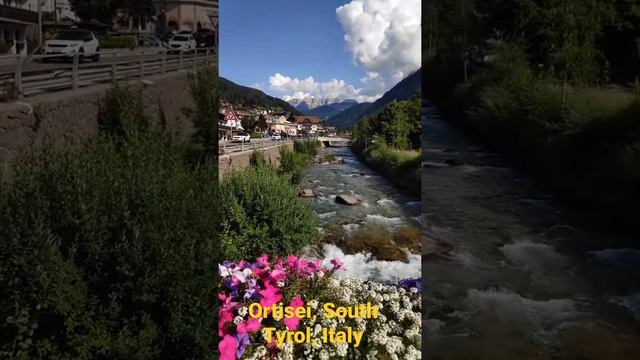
(182, 43)
(241, 137)
(67, 43)
(276, 137)
(205, 39)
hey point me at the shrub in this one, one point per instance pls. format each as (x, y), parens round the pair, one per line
(262, 213)
(307, 147)
(293, 165)
(257, 159)
(109, 251)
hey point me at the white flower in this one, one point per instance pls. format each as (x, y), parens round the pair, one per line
(372, 354)
(313, 304)
(280, 283)
(243, 311)
(261, 351)
(341, 349)
(412, 353)
(238, 319)
(324, 355)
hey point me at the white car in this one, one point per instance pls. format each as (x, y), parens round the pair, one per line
(68, 43)
(276, 137)
(242, 137)
(182, 43)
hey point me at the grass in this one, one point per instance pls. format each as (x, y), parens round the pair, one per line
(401, 167)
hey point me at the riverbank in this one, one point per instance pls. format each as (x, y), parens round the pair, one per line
(581, 143)
(401, 167)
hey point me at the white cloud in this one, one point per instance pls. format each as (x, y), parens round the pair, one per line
(295, 88)
(384, 38)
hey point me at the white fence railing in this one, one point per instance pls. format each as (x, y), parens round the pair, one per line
(226, 147)
(40, 75)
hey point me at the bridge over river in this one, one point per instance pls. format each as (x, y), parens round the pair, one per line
(330, 141)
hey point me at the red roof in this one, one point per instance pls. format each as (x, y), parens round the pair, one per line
(302, 120)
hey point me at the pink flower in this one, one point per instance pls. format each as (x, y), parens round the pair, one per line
(250, 326)
(291, 261)
(337, 264)
(292, 323)
(263, 260)
(224, 316)
(269, 295)
(227, 348)
(278, 274)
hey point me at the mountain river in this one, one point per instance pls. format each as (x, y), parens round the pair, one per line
(513, 274)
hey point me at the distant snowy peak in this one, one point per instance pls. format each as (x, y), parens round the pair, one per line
(312, 102)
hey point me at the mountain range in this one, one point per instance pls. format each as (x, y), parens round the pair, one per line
(311, 102)
(246, 96)
(403, 90)
(327, 111)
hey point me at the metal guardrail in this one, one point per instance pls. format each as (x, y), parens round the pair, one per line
(39, 75)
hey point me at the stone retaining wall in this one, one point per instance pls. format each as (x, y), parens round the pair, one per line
(240, 160)
(68, 118)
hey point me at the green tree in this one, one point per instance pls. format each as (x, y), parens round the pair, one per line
(571, 30)
(462, 34)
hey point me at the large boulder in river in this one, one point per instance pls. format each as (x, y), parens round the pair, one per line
(379, 242)
(348, 200)
(409, 237)
(307, 193)
(433, 248)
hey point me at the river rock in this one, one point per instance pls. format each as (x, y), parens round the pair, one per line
(348, 200)
(379, 242)
(409, 238)
(307, 193)
(433, 248)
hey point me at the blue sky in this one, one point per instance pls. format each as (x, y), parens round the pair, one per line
(297, 48)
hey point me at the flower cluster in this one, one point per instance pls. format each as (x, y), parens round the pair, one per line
(394, 333)
(260, 281)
